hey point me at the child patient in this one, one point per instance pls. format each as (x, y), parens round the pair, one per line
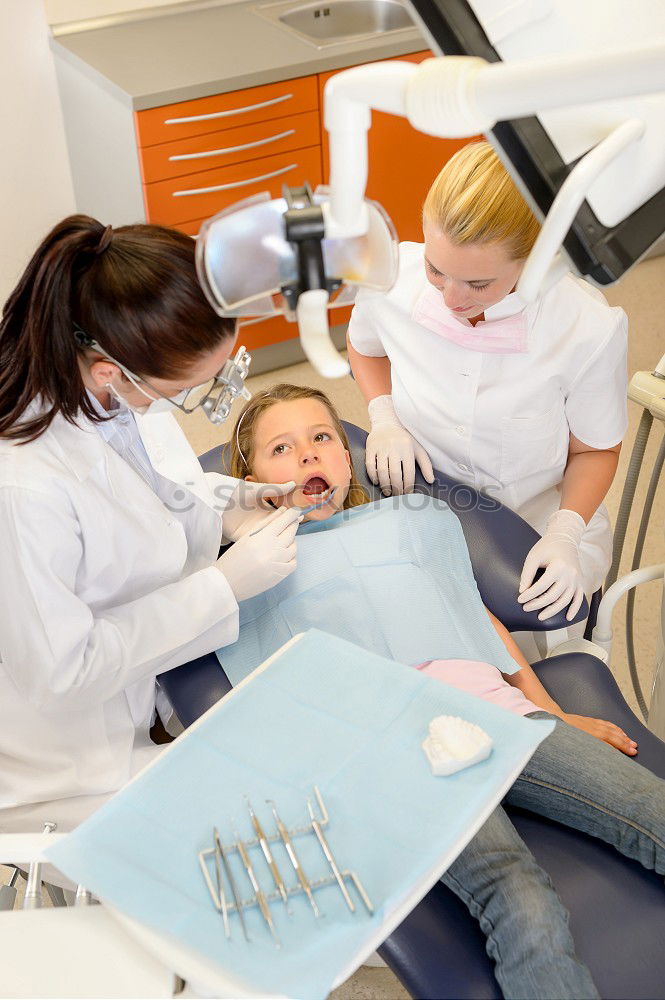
(576, 776)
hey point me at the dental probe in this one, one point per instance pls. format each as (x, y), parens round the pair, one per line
(236, 896)
(220, 884)
(330, 859)
(260, 897)
(293, 858)
(267, 854)
(304, 510)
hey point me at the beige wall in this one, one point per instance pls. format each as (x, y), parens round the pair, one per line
(35, 182)
(60, 11)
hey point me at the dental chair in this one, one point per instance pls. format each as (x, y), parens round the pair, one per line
(617, 908)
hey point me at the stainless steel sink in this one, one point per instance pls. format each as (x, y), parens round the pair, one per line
(339, 21)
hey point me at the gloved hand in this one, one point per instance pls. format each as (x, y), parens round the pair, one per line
(561, 583)
(259, 560)
(247, 509)
(391, 452)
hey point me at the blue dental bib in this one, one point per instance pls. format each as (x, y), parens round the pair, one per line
(393, 577)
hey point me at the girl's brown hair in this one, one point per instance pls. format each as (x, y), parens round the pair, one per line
(241, 444)
(133, 289)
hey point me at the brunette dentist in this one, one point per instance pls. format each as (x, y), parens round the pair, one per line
(526, 403)
(111, 571)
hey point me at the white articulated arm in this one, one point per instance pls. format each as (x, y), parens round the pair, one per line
(457, 96)
(349, 98)
(545, 265)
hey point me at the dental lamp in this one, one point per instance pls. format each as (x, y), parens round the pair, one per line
(594, 175)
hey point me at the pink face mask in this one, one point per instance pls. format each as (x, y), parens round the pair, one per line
(509, 335)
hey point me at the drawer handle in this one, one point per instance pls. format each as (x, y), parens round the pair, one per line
(232, 149)
(235, 184)
(227, 114)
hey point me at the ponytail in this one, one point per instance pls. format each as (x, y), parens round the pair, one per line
(134, 290)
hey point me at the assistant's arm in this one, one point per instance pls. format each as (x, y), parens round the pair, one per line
(588, 476)
(371, 373)
(527, 682)
(60, 649)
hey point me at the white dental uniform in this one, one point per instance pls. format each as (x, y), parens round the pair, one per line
(107, 578)
(502, 422)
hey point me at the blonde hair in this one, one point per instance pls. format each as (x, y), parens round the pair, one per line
(474, 200)
(241, 444)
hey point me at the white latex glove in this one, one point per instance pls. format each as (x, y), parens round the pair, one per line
(247, 509)
(259, 560)
(391, 452)
(561, 583)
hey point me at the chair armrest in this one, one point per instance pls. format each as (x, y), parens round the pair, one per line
(195, 687)
(583, 684)
(498, 540)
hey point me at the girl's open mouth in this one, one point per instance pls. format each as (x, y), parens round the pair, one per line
(316, 486)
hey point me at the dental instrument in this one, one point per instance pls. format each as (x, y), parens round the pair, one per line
(258, 892)
(316, 827)
(302, 511)
(33, 890)
(293, 858)
(267, 854)
(220, 883)
(232, 882)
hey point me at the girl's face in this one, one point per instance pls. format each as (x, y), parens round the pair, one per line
(471, 278)
(297, 441)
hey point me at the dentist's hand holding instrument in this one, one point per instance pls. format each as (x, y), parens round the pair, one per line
(264, 557)
(249, 507)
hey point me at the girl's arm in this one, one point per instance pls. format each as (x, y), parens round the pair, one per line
(526, 681)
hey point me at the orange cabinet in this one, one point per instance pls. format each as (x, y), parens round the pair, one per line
(198, 157)
(240, 107)
(402, 163)
(202, 194)
(230, 145)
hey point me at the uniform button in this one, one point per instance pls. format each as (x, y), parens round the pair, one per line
(461, 431)
(462, 467)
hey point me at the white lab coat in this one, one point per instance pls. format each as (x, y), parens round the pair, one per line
(103, 585)
(502, 422)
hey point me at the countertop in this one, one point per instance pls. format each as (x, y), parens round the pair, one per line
(195, 53)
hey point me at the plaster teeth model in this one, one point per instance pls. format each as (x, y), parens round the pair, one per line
(454, 743)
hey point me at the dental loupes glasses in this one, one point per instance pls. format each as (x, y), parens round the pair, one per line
(227, 384)
(216, 866)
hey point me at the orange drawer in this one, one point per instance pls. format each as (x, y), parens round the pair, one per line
(233, 145)
(201, 195)
(239, 107)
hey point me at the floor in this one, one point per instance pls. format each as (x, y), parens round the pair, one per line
(642, 294)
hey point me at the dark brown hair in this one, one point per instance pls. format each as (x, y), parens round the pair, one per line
(133, 289)
(242, 442)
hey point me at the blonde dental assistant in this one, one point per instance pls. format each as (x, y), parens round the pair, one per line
(110, 570)
(526, 403)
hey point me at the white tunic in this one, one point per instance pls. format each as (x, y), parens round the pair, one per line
(105, 583)
(502, 422)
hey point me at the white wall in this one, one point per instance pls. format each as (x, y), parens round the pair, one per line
(35, 182)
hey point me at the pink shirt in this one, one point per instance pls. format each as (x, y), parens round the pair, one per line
(481, 679)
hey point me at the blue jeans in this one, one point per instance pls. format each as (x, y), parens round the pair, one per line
(576, 780)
